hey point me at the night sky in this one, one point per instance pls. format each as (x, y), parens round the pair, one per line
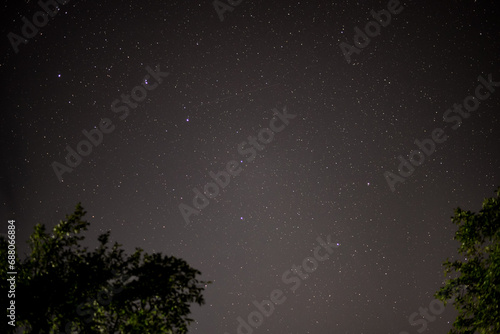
(310, 138)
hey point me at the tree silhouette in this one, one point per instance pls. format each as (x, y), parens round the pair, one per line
(62, 287)
(475, 286)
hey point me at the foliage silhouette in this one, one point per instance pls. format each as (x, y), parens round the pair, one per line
(62, 287)
(475, 286)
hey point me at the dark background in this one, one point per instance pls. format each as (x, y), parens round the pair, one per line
(322, 175)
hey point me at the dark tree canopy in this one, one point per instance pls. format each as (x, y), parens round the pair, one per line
(475, 286)
(63, 287)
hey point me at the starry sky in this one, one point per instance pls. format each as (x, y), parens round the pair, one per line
(203, 89)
